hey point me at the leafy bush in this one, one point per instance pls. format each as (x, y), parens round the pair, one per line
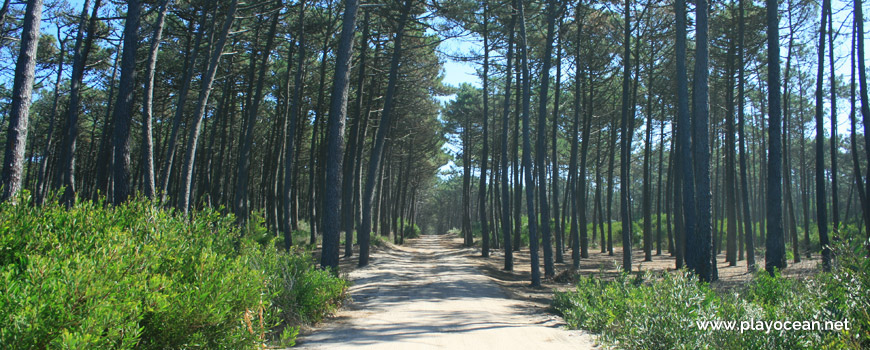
(412, 231)
(662, 310)
(134, 276)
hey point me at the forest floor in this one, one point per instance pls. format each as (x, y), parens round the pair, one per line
(432, 293)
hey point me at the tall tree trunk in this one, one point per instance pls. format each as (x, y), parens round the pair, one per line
(699, 248)
(624, 160)
(744, 179)
(48, 150)
(205, 90)
(292, 153)
(364, 234)
(335, 137)
(481, 206)
(527, 157)
(349, 164)
(730, 163)
(558, 232)
(189, 67)
(243, 167)
(517, 169)
(123, 113)
(147, 108)
(22, 89)
(821, 204)
(84, 41)
(853, 138)
(647, 167)
(505, 181)
(575, 126)
(609, 215)
(835, 142)
(775, 253)
(540, 148)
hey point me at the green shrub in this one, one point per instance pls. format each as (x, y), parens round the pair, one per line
(134, 276)
(662, 310)
(412, 231)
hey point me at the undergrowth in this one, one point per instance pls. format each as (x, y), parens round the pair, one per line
(138, 277)
(660, 310)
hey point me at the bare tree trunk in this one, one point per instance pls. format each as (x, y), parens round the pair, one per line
(364, 235)
(189, 67)
(243, 166)
(42, 183)
(147, 115)
(699, 249)
(540, 148)
(84, 40)
(835, 142)
(357, 139)
(578, 95)
(335, 138)
(505, 182)
(205, 90)
(22, 89)
(744, 179)
(627, 119)
(558, 232)
(821, 205)
(775, 253)
(527, 157)
(123, 113)
(484, 225)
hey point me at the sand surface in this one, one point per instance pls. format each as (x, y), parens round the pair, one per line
(428, 294)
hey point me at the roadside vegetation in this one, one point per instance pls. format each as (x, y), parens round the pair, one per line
(661, 310)
(134, 276)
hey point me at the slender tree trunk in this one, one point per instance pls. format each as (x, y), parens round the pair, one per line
(558, 232)
(123, 113)
(84, 40)
(243, 167)
(624, 160)
(659, 186)
(481, 207)
(540, 148)
(189, 67)
(349, 165)
(292, 153)
(581, 194)
(730, 164)
(527, 157)
(744, 179)
(205, 90)
(575, 127)
(609, 215)
(647, 169)
(835, 142)
(147, 104)
(22, 89)
(699, 253)
(364, 234)
(505, 182)
(48, 150)
(853, 138)
(335, 138)
(775, 253)
(821, 205)
(517, 170)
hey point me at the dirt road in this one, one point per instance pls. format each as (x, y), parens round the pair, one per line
(430, 295)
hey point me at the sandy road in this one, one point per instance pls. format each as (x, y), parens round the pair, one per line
(426, 296)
